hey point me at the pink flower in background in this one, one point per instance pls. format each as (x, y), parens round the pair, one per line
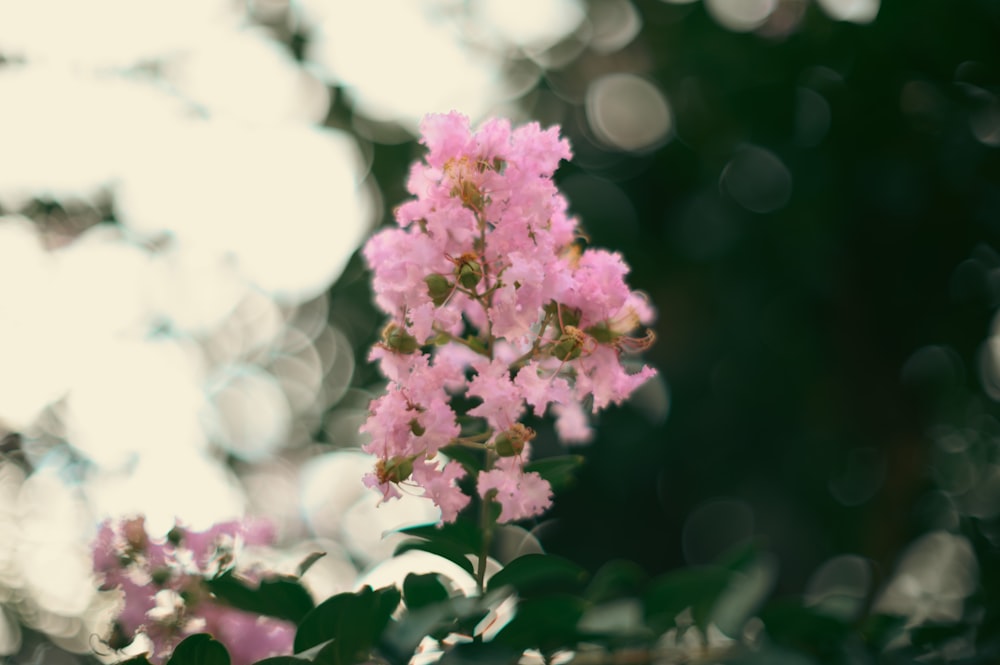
(163, 593)
(485, 273)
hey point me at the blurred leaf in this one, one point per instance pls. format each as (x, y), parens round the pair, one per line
(548, 623)
(880, 629)
(281, 597)
(308, 562)
(697, 588)
(282, 660)
(462, 534)
(935, 635)
(401, 638)
(480, 653)
(615, 579)
(354, 621)
(741, 556)
(559, 471)
(453, 553)
(770, 655)
(423, 590)
(804, 629)
(539, 573)
(621, 618)
(472, 461)
(200, 649)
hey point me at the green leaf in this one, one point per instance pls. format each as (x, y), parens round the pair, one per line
(770, 655)
(697, 588)
(453, 553)
(308, 562)
(559, 471)
(462, 534)
(880, 629)
(200, 649)
(614, 580)
(741, 556)
(621, 618)
(353, 621)
(480, 653)
(547, 623)
(400, 639)
(473, 461)
(282, 660)
(281, 597)
(539, 573)
(423, 590)
(936, 634)
(804, 629)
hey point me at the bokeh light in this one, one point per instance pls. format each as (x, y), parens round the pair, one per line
(628, 112)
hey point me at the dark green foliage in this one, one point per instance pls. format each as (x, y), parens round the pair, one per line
(423, 590)
(201, 649)
(348, 624)
(559, 471)
(539, 574)
(547, 623)
(284, 598)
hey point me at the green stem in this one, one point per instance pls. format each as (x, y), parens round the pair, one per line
(486, 526)
(535, 346)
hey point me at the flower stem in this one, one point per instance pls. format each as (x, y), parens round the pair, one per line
(486, 525)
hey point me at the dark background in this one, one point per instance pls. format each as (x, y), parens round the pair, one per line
(811, 352)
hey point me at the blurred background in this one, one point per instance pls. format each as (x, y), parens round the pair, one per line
(808, 190)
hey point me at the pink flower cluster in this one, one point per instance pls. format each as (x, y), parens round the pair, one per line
(487, 269)
(163, 592)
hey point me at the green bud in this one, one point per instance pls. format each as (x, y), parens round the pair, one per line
(602, 333)
(565, 316)
(469, 274)
(438, 288)
(397, 339)
(175, 536)
(567, 348)
(160, 576)
(417, 428)
(510, 443)
(394, 469)
(471, 196)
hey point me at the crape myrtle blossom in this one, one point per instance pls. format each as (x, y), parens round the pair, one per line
(491, 293)
(163, 594)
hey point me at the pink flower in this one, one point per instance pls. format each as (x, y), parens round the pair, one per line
(541, 387)
(440, 486)
(248, 637)
(521, 495)
(503, 402)
(484, 267)
(164, 594)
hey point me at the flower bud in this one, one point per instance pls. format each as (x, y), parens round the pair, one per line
(439, 288)
(570, 345)
(395, 338)
(394, 469)
(566, 316)
(510, 443)
(470, 195)
(469, 272)
(602, 333)
(175, 536)
(134, 531)
(160, 576)
(417, 428)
